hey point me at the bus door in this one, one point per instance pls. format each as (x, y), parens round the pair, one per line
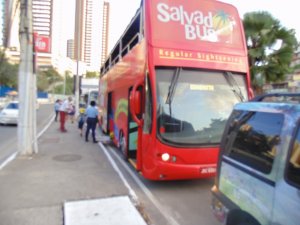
(110, 115)
(132, 134)
(135, 124)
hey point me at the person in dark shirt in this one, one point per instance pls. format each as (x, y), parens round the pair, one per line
(91, 120)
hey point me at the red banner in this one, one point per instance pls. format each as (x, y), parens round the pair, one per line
(41, 43)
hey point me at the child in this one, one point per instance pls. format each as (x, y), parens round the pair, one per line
(81, 119)
(72, 112)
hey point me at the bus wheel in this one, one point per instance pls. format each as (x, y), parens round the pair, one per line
(122, 145)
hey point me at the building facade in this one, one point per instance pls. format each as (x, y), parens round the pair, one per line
(70, 48)
(88, 33)
(10, 23)
(42, 17)
(49, 23)
(51, 20)
(105, 31)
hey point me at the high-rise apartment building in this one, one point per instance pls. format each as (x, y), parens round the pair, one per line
(88, 34)
(10, 22)
(49, 21)
(105, 30)
(42, 17)
(42, 25)
(1, 20)
(70, 48)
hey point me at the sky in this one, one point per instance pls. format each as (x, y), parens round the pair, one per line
(122, 11)
(284, 11)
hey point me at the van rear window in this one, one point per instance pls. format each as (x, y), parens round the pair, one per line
(252, 139)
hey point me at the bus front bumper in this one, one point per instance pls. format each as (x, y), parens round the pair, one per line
(170, 171)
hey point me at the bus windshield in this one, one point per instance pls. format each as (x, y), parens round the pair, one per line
(193, 105)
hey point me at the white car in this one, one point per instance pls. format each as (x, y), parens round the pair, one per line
(9, 114)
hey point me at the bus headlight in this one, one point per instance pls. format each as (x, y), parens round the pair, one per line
(165, 156)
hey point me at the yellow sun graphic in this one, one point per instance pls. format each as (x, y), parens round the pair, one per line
(222, 24)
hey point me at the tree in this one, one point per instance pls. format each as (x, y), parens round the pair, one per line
(69, 82)
(90, 74)
(270, 48)
(8, 72)
(47, 79)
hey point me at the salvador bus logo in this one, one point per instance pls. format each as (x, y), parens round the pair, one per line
(198, 25)
(223, 25)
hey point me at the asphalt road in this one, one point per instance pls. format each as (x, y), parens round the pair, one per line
(8, 133)
(184, 202)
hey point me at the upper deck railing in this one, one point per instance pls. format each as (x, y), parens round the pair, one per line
(131, 37)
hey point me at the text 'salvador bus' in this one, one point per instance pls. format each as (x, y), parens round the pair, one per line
(169, 85)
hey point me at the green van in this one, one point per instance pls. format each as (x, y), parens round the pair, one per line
(258, 174)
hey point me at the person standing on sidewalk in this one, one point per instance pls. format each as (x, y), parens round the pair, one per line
(56, 108)
(91, 120)
(71, 112)
(63, 112)
(81, 120)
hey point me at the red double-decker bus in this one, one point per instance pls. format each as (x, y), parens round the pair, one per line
(169, 85)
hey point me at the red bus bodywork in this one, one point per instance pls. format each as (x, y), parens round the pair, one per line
(193, 35)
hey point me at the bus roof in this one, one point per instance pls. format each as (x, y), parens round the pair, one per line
(206, 34)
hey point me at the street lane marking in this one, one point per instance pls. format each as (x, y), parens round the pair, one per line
(50, 119)
(132, 194)
(147, 192)
(14, 155)
(8, 160)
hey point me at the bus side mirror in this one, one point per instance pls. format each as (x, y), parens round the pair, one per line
(136, 101)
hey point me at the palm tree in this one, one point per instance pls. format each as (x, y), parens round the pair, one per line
(270, 48)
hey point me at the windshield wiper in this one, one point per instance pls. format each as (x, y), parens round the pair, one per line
(172, 88)
(234, 86)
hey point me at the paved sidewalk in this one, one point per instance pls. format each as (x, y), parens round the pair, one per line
(33, 190)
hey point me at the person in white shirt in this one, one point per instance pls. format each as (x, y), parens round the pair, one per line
(63, 111)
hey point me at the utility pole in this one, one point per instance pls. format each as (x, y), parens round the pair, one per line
(64, 90)
(78, 25)
(27, 83)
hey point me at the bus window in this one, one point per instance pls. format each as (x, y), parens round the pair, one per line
(194, 110)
